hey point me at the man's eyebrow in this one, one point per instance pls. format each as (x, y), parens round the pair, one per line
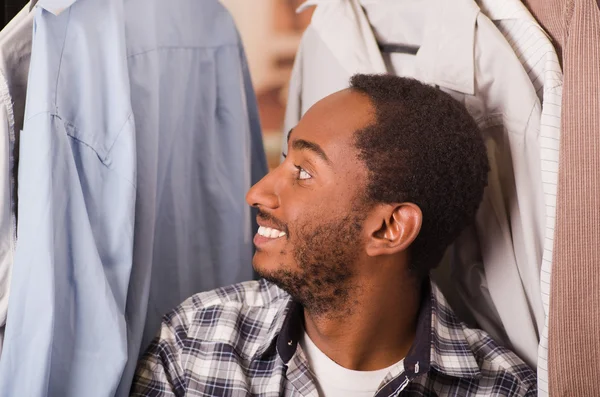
(301, 144)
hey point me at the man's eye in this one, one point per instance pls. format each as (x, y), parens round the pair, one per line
(302, 174)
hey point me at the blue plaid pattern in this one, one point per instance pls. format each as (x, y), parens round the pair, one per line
(242, 341)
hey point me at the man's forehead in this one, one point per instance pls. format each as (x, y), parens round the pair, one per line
(334, 118)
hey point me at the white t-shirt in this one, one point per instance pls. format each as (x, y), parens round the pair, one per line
(333, 380)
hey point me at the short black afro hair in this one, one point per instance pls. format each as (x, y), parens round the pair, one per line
(426, 149)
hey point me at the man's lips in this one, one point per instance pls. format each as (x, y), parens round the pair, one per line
(269, 221)
(261, 241)
(267, 234)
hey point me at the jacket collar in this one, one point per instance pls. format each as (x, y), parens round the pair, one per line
(441, 343)
(446, 56)
(345, 29)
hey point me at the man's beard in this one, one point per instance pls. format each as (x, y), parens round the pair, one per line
(326, 255)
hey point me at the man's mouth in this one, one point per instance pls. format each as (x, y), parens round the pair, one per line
(270, 232)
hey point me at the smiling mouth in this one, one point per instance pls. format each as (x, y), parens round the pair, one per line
(270, 233)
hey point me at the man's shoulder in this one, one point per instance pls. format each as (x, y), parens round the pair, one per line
(231, 315)
(497, 363)
(249, 294)
(250, 298)
(473, 354)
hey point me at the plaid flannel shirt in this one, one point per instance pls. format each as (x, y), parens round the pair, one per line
(242, 340)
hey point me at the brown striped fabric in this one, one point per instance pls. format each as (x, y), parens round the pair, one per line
(574, 341)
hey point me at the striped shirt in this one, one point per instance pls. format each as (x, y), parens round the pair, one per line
(242, 340)
(538, 56)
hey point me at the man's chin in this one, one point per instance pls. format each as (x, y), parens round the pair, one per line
(263, 268)
(276, 275)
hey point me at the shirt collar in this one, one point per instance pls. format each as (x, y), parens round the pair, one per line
(345, 29)
(451, 352)
(56, 7)
(446, 57)
(284, 332)
(440, 343)
(508, 9)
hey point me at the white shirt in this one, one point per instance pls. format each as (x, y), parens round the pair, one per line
(495, 267)
(333, 380)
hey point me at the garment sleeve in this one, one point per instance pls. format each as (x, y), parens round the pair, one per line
(159, 372)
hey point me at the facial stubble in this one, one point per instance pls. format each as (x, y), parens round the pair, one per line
(324, 279)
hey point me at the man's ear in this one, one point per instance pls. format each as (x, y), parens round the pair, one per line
(393, 228)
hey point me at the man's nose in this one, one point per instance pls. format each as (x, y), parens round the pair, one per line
(264, 193)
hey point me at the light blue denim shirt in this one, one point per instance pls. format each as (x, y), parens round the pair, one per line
(141, 138)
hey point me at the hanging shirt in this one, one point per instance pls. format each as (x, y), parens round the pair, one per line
(11, 9)
(333, 380)
(15, 55)
(495, 266)
(66, 333)
(121, 220)
(538, 56)
(242, 340)
(199, 150)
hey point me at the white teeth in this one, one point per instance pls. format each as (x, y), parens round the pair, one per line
(270, 233)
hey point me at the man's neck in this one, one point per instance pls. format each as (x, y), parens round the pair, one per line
(377, 333)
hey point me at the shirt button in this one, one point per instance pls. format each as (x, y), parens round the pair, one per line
(290, 343)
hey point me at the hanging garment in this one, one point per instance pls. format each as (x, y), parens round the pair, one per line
(496, 265)
(66, 330)
(199, 149)
(539, 58)
(174, 256)
(80, 310)
(575, 296)
(10, 9)
(15, 55)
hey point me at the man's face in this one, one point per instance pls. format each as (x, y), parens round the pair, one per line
(312, 208)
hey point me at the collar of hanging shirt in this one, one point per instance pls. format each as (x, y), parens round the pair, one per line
(445, 57)
(55, 7)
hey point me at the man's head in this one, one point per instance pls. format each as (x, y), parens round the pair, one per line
(379, 179)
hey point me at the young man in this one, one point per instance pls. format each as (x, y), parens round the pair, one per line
(378, 180)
